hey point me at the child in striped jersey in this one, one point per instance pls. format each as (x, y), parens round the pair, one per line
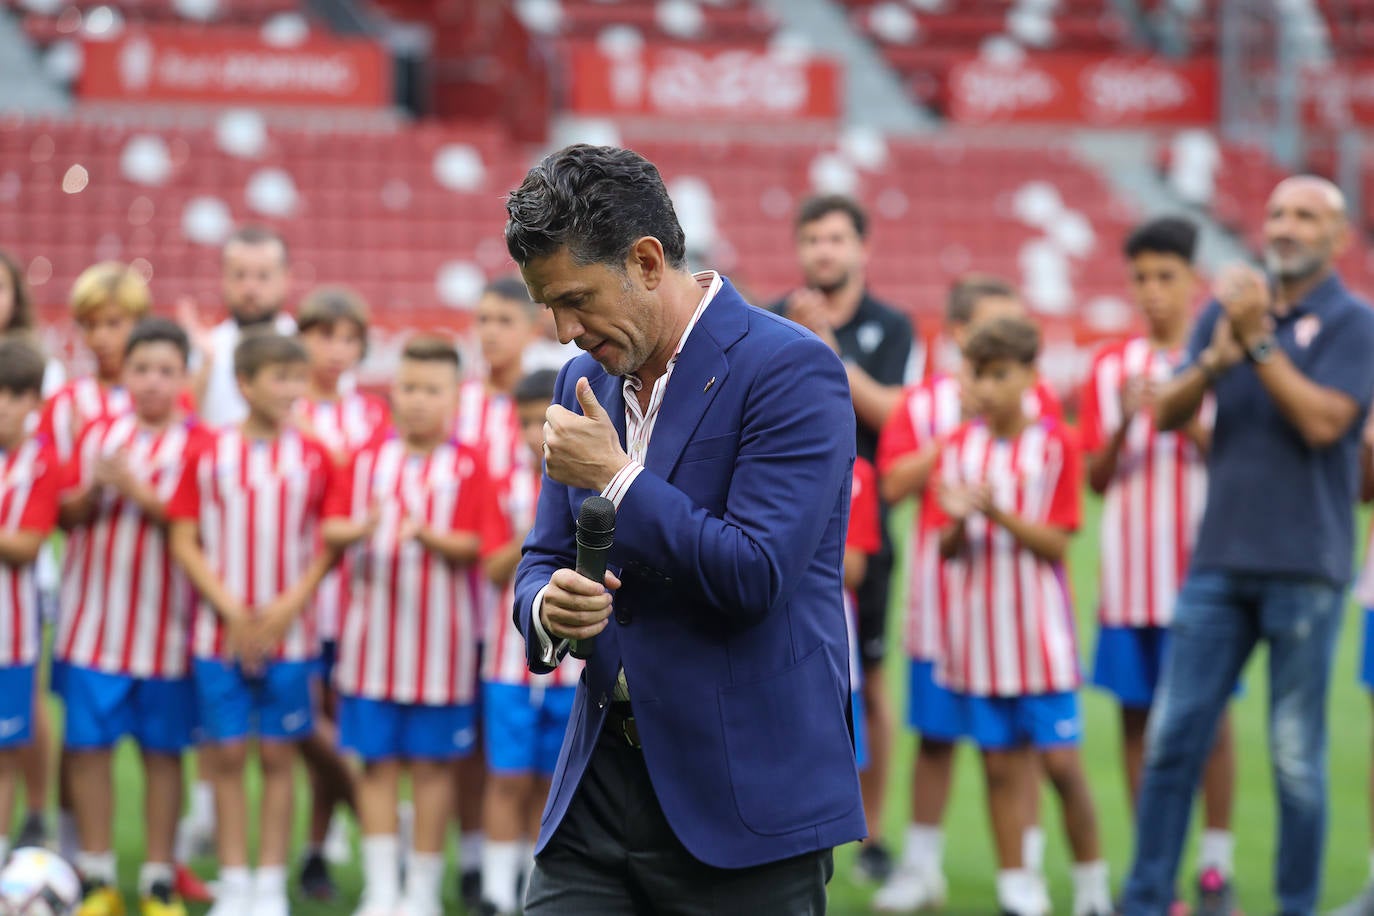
(418, 510)
(524, 715)
(245, 527)
(123, 635)
(332, 325)
(30, 476)
(1008, 504)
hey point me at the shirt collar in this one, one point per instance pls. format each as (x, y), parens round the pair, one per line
(1322, 297)
(710, 282)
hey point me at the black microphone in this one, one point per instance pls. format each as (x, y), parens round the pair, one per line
(595, 534)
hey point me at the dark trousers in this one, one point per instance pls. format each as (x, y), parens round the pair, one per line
(614, 853)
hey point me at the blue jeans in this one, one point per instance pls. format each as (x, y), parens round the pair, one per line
(1219, 619)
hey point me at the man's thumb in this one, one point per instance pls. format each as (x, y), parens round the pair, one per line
(591, 407)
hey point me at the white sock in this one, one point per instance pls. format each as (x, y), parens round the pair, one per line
(150, 873)
(470, 850)
(1019, 891)
(235, 882)
(96, 867)
(501, 863)
(1216, 851)
(424, 883)
(269, 883)
(381, 871)
(68, 840)
(1033, 849)
(924, 848)
(202, 808)
(1092, 889)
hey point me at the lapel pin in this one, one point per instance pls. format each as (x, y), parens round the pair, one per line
(708, 385)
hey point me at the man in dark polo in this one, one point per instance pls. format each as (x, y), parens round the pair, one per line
(875, 342)
(1290, 361)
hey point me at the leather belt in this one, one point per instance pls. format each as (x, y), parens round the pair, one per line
(620, 725)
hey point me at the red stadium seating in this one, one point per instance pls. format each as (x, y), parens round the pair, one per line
(68, 21)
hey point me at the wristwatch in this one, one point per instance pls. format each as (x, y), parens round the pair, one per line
(1261, 350)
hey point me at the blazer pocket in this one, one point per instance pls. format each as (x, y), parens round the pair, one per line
(788, 749)
(710, 447)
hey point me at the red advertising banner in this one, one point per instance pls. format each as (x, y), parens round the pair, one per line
(1340, 98)
(718, 83)
(234, 68)
(1080, 89)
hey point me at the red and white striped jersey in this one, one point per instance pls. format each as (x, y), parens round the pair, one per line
(259, 504)
(126, 606)
(344, 426)
(489, 424)
(930, 411)
(410, 634)
(1153, 505)
(1008, 619)
(864, 535)
(503, 659)
(75, 406)
(30, 479)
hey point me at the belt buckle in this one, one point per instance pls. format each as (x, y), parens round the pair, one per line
(629, 732)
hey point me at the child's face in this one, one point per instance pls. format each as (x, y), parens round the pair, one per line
(273, 391)
(425, 398)
(105, 332)
(333, 349)
(15, 408)
(154, 376)
(504, 329)
(532, 415)
(999, 385)
(1163, 286)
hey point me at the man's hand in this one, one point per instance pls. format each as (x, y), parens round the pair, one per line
(239, 640)
(956, 501)
(112, 471)
(574, 606)
(582, 451)
(1244, 295)
(270, 623)
(1224, 351)
(806, 307)
(1137, 393)
(202, 335)
(980, 495)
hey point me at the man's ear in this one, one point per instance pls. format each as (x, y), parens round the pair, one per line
(647, 262)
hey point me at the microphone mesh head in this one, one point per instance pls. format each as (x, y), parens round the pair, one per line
(596, 522)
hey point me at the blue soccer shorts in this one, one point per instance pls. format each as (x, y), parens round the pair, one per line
(16, 705)
(1128, 663)
(382, 730)
(101, 708)
(1043, 721)
(935, 711)
(274, 704)
(525, 726)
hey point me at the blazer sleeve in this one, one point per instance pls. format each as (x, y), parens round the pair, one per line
(548, 548)
(794, 461)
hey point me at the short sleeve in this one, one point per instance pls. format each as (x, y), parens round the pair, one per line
(864, 534)
(1090, 410)
(379, 419)
(1050, 405)
(185, 502)
(55, 425)
(40, 510)
(1066, 500)
(898, 438)
(478, 510)
(1344, 362)
(338, 497)
(889, 364)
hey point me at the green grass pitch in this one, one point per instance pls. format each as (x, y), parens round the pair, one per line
(969, 862)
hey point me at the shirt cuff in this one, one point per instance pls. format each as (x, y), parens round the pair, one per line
(548, 652)
(620, 484)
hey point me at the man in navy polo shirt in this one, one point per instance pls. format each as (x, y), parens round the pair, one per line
(1292, 371)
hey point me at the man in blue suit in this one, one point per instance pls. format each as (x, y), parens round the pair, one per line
(708, 765)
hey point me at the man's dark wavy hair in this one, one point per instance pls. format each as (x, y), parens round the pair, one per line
(596, 201)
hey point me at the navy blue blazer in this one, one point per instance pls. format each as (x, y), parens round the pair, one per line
(730, 622)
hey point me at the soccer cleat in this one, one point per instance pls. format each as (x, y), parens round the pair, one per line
(33, 832)
(101, 900)
(190, 888)
(470, 889)
(315, 880)
(161, 900)
(909, 890)
(873, 864)
(1215, 895)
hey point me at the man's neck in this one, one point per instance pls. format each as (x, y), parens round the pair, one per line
(1291, 292)
(157, 424)
(322, 392)
(843, 303)
(107, 378)
(10, 443)
(1168, 336)
(258, 427)
(682, 295)
(422, 445)
(503, 379)
(1008, 427)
